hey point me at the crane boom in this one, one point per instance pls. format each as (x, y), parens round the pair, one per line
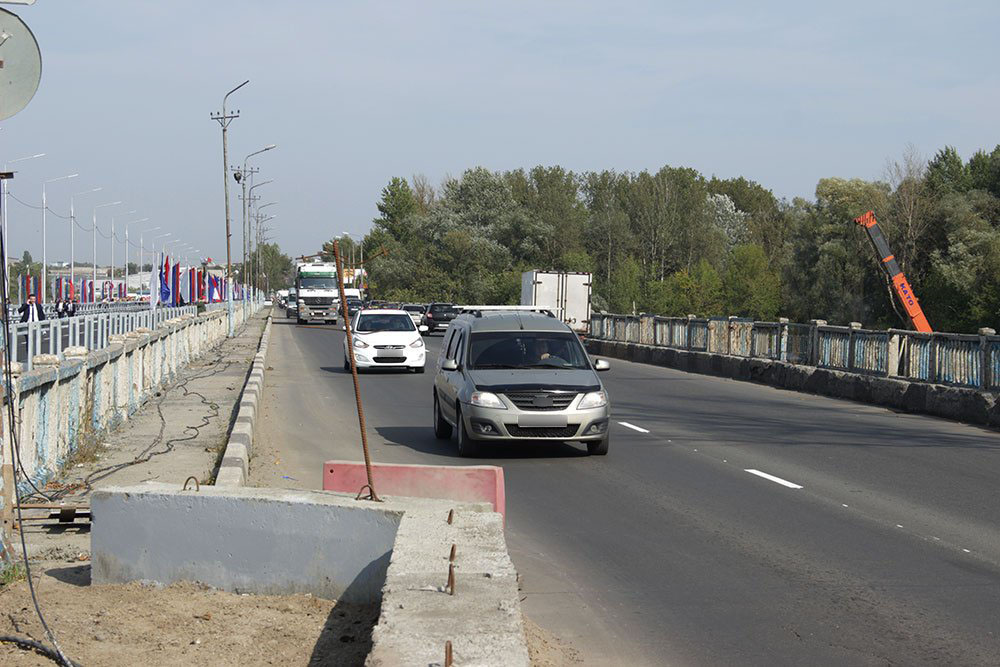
(903, 289)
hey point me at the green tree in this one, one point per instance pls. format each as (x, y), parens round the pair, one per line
(751, 288)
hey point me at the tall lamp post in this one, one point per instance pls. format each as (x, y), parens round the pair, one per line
(3, 194)
(112, 276)
(72, 233)
(45, 255)
(224, 120)
(243, 177)
(94, 222)
(142, 257)
(130, 222)
(163, 247)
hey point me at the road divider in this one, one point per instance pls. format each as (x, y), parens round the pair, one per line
(235, 464)
(462, 483)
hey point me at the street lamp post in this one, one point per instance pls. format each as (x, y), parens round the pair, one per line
(72, 234)
(3, 194)
(45, 257)
(243, 178)
(247, 277)
(112, 276)
(130, 222)
(224, 120)
(94, 222)
(142, 256)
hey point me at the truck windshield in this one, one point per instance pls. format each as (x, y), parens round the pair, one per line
(527, 349)
(317, 283)
(378, 322)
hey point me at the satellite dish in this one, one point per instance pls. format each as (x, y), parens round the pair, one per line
(20, 64)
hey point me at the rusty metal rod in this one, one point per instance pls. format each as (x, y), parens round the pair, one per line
(354, 373)
(447, 654)
(451, 579)
(451, 515)
(451, 556)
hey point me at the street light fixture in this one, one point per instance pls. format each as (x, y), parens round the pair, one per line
(45, 257)
(243, 178)
(72, 232)
(3, 193)
(130, 222)
(113, 203)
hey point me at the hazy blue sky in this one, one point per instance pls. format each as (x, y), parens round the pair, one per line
(354, 93)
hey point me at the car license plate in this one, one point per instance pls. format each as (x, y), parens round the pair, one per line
(541, 420)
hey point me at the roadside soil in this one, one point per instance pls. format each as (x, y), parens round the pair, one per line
(183, 624)
(179, 433)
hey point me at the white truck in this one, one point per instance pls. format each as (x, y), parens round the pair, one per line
(565, 293)
(316, 292)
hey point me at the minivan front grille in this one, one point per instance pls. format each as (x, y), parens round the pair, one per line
(541, 400)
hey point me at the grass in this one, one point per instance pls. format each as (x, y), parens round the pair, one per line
(12, 573)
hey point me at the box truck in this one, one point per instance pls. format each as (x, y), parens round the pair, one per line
(565, 293)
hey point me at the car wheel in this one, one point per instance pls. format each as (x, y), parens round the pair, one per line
(442, 429)
(347, 364)
(466, 446)
(599, 447)
(418, 369)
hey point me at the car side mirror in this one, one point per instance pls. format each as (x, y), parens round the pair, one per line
(422, 328)
(449, 365)
(601, 365)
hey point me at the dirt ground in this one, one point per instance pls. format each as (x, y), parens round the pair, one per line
(545, 649)
(183, 624)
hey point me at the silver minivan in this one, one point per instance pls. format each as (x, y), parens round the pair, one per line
(512, 374)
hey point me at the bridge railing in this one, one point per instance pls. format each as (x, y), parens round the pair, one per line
(92, 331)
(964, 360)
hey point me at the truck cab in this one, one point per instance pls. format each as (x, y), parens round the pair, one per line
(316, 292)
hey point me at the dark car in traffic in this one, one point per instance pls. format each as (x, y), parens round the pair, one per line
(438, 316)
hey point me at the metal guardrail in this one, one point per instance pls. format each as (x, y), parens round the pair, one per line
(962, 360)
(92, 331)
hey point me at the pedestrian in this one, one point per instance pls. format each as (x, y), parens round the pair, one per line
(60, 308)
(31, 311)
(71, 307)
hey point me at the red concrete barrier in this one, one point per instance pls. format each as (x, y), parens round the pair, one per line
(466, 483)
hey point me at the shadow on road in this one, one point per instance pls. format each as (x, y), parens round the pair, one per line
(421, 439)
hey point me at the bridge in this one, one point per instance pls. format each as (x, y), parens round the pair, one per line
(732, 522)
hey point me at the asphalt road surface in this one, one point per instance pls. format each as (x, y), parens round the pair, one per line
(731, 523)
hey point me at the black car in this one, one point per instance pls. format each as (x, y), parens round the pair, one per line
(353, 306)
(438, 316)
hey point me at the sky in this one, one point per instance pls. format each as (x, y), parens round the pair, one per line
(355, 92)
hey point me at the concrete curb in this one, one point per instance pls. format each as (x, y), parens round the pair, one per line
(235, 464)
(956, 403)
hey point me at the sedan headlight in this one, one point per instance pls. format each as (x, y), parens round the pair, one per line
(485, 399)
(595, 399)
(360, 343)
(417, 343)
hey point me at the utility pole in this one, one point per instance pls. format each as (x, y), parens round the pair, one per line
(224, 120)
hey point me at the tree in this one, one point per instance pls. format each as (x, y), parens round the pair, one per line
(396, 205)
(751, 288)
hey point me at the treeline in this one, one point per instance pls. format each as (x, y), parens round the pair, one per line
(675, 242)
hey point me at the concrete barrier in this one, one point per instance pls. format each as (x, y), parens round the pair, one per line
(276, 541)
(235, 464)
(958, 403)
(462, 483)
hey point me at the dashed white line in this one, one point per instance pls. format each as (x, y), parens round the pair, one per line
(776, 480)
(633, 427)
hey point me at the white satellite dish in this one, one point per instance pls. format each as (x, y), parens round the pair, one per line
(20, 64)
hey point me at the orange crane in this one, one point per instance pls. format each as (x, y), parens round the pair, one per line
(903, 289)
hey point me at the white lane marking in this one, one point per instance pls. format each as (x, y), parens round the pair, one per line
(633, 427)
(776, 480)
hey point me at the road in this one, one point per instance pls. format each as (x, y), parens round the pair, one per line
(669, 550)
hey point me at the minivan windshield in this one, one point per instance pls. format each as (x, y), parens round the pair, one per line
(526, 349)
(387, 322)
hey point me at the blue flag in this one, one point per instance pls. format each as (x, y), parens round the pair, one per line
(164, 285)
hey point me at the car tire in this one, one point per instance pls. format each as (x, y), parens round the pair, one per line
(418, 369)
(347, 364)
(466, 446)
(599, 447)
(442, 429)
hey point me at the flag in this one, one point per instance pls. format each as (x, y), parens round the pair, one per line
(164, 285)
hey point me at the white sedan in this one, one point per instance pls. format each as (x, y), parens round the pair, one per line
(386, 339)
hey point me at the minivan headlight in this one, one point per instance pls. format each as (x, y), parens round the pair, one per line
(595, 399)
(485, 399)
